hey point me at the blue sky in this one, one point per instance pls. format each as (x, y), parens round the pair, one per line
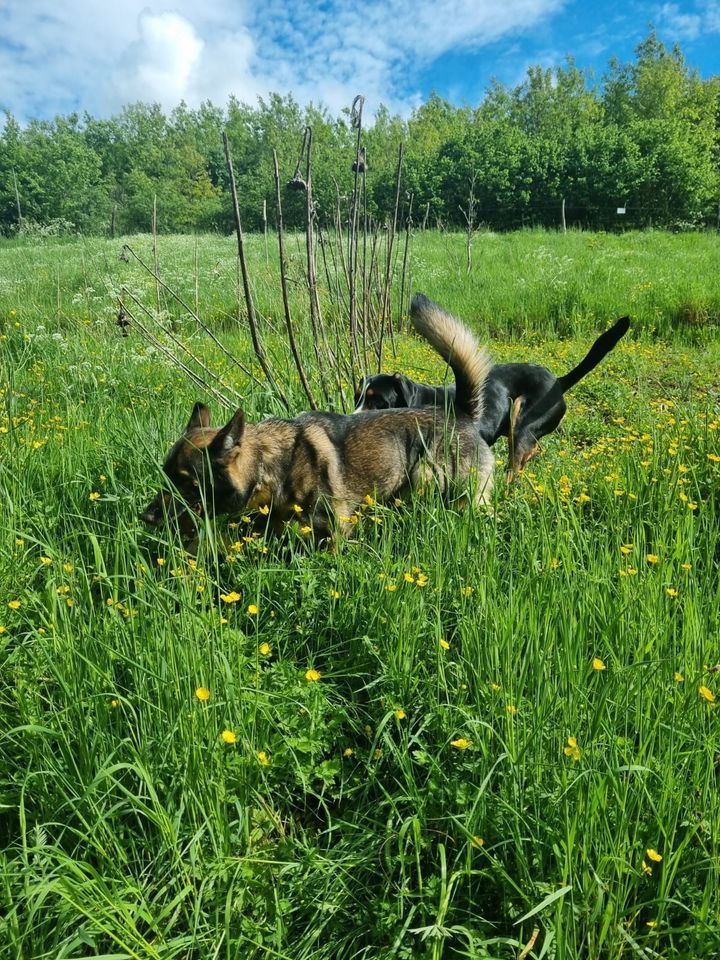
(57, 56)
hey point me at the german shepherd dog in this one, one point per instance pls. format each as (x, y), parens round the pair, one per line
(319, 467)
(521, 401)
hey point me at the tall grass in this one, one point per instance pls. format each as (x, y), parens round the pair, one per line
(513, 724)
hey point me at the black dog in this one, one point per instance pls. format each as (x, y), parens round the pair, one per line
(521, 401)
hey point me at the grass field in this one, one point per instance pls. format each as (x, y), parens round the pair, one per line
(452, 732)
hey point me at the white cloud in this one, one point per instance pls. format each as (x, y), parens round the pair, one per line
(160, 63)
(682, 24)
(78, 54)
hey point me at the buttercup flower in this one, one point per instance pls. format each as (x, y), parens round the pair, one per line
(228, 736)
(462, 743)
(202, 693)
(232, 597)
(597, 664)
(263, 758)
(707, 694)
(252, 610)
(312, 676)
(265, 649)
(400, 714)
(572, 749)
(653, 855)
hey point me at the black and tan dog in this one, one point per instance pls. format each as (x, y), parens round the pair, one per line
(521, 401)
(319, 467)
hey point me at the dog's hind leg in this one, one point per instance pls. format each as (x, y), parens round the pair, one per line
(529, 428)
(515, 409)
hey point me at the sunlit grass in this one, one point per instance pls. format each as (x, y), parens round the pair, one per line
(404, 748)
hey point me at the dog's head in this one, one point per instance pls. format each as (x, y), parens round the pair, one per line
(197, 468)
(383, 391)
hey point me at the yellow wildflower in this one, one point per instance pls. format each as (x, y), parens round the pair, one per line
(263, 758)
(228, 736)
(264, 510)
(203, 694)
(646, 869)
(14, 604)
(671, 592)
(400, 714)
(265, 649)
(297, 508)
(232, 597)
(653, 855)
(511, 709)
(305, 530)
(707, 694)
(252, 610)
(160, 561)
(679, 678)
(462, 743)
(652, 558)
(348, 752)
(477, 842)
(46, 561)
(597, 664)
(444, 644)
(627, 548)
(572, 749)
(94, 495)
(312, 676)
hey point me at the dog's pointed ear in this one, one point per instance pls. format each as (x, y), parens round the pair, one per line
(200, 417)
(405, 390)
(230, 435)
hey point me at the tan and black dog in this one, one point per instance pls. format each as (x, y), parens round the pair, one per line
(319, 467)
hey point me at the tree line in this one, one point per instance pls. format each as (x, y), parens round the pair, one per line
(639, 149)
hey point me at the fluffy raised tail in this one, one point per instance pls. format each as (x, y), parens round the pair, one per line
(602, 346)
(469, 362)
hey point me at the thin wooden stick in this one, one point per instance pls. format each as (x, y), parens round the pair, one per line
(257, 345)
(283, 284)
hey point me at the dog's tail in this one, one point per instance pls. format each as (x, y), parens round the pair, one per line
(469, 362)
(602, 346)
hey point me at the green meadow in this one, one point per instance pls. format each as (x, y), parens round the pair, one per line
(461, 735)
